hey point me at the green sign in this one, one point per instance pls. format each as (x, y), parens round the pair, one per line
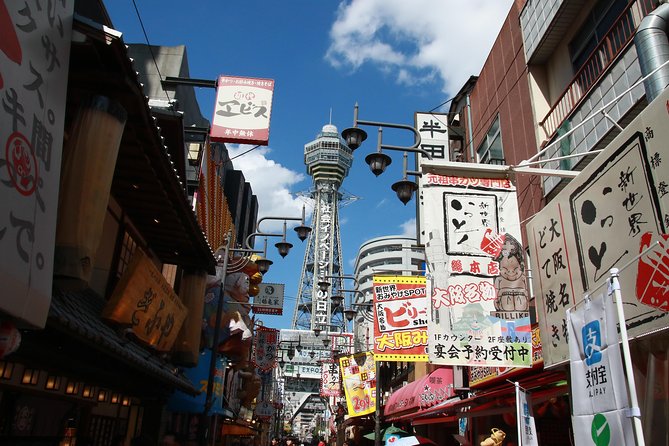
(600, 430)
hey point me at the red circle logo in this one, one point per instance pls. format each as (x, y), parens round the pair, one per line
(21, 164)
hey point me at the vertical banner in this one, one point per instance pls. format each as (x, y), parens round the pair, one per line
(480, 306)
(199, 377)
(616, 207)
(359, 382)
(34, 61)
(330, 383)
(400, 318)
(525, 417)
(265, 345)
(242, 110)
(599, 413)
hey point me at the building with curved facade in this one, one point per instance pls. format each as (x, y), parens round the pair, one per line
(392, 254)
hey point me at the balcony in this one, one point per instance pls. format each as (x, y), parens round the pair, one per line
(596, 66)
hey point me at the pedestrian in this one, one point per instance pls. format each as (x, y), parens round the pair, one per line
(275, 441)
(321, 441)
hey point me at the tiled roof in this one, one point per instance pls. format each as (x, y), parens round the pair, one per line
(78, 312)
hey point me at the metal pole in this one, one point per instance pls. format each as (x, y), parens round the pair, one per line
(634, 411)
(518, 414)
(377, 412)
(214, 352)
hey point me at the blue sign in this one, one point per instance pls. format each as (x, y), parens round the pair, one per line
(198, 376)
(592, 342)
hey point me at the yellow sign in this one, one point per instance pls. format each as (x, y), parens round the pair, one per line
(145, 301)
(359, 381)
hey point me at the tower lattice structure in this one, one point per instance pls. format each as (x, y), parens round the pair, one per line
(328, 160)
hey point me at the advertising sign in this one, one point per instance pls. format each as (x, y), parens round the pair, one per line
(242, 110)
(199, 377)
(359, 382)
(265, 345)
(34, 65)
(526, 425)
(400, 318)
(599, 415)
(433, 130)
(330, 384)
(616, 207)
(269, 300)
(144, 301)
(480, 306)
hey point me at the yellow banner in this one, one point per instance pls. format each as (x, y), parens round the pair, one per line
(145, 301)
(359, 381)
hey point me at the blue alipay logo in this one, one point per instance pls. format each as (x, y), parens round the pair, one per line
(592, 342)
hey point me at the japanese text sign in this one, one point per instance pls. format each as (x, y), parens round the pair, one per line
(597, 374)
(479, 302)
(400, 318)
(616, 208)
(34, 61)
(359, 382)
(265, 344)
(199, 377)
(433, 130)
(242, 110)
(330, 384)
(269, 300)
(144, 300)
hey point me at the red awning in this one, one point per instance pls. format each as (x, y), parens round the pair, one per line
(421, 394)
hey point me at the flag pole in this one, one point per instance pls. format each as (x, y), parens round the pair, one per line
(518, 414)
(634, 412)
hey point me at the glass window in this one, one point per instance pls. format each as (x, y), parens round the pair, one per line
(490, 151)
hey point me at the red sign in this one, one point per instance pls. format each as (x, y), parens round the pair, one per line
(242, 110)
(401, 316)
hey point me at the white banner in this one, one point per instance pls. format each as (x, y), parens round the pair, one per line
(528, 430)
(479, 299)
(597, 375)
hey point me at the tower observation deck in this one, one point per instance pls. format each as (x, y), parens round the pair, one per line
(328, 160)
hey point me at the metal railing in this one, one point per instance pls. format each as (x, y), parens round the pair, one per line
(616, 40)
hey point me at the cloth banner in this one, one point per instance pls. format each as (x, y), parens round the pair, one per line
(265, 345)
(359, 382)
(528, 429)
(400, 318)
(330, 384)
(597, 375)
(480, 306)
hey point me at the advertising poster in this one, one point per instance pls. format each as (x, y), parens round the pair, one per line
(265, 343)
(359, 382)
(599, 416)
(400, 318)
(330, 384)
(479, 301)
(528, 429)
(615, 209)
(34, 67)
(242, 110)
(269, 300)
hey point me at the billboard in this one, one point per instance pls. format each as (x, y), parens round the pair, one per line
(616, 208)
(33, 83)
(400, 318)
(269, 300)
(479, 301)
(359, 381)
(242, 110)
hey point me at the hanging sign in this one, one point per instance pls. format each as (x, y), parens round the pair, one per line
(526, 425)
(400, 318)
(330, 383)
(269, 300)
(242, 110)
(359, 382)
(480, 306)
(599, 414)
(265, 343)
(34, 61)
(616, 207)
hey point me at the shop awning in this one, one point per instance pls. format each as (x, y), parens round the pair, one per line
(421, 394)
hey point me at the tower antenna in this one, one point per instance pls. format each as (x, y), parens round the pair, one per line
(330, 115)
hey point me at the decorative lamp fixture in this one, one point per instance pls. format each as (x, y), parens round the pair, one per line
(323, 285)
(283, 246)
(378, 162)
(336, 300)
(125, 401)
(312, 354)
(291, 353)
(263, 264)
(326, 342)
(302, 232)
(87, 391)
(317, 331)
(350, 313)
(115, 398)
(299, 347)
(6, 369)
(30, 377)
(53, 382)
(72, 387)
(405, 188)
(354, 136)
(102, 395)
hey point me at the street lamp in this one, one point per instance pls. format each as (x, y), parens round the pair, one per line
(379, 161)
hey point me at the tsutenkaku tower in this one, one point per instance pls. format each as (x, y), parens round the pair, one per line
(328, 160)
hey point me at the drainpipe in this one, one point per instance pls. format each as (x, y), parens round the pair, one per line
(652, 47)
(470, 135)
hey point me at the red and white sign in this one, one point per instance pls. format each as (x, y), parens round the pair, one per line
(330, 383)
(242, 110)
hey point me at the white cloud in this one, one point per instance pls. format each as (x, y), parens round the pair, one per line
(271, 183)
(409, 228)
(417, 39)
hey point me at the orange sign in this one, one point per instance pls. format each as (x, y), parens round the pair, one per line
(145, 301)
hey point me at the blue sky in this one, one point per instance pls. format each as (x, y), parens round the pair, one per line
(393, 57)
